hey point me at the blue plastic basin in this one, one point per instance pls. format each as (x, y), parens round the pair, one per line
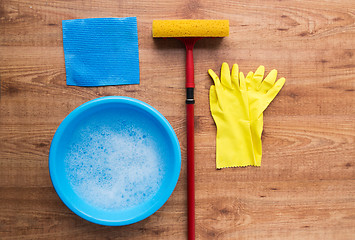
(121, 115)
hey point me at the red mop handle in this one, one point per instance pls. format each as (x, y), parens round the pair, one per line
(190, 171)
(190, 142)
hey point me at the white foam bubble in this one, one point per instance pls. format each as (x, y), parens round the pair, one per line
(114, 170)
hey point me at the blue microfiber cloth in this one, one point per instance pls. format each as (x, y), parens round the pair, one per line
(101, 51)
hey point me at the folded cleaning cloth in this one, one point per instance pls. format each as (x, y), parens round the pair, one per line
(101, 51)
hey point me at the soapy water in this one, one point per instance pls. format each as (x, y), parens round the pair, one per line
(113, 169)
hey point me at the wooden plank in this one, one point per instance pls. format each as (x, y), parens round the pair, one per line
(305, 187)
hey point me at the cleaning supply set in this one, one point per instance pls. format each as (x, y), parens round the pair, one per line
(104, 51)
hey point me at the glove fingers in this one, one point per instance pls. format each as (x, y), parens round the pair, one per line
(271, 94)
(226, 75)
(242, 82)
(249, 79)
(235, 76)
(268, 97)
(214, 77)
(258, 76)
(269, 81)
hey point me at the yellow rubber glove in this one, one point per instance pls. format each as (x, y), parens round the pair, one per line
(260, 95)
(230, 111)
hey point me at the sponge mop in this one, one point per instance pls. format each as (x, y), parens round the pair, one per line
(189, 31)
(190, 28)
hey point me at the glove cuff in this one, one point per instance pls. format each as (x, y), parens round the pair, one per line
(234, 145)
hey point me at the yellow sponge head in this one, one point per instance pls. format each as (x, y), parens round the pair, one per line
(190, 28)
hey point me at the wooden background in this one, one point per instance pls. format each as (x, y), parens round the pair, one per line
(305, 188)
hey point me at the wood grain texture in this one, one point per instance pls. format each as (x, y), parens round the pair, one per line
(305, 188)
